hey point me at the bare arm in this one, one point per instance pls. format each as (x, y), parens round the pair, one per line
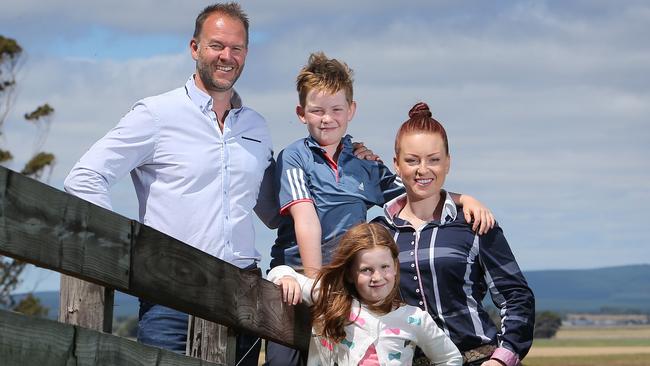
(295, 287)
(308, 236)
(475, 212)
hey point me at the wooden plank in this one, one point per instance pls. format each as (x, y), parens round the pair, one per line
(30, 341)
(164, 267)
(55, 230)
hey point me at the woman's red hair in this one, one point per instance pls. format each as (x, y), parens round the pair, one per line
(420, 120)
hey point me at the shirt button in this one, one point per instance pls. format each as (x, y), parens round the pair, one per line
(415, 277)
(421, 303)
(417, 290)
(411, 253)
(412, 265)
(413, 243)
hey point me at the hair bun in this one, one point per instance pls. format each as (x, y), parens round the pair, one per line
(420, 109)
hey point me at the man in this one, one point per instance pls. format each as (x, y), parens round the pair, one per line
(197, 157)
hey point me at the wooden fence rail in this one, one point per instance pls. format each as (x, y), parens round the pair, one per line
(29, 341)
(55, 230)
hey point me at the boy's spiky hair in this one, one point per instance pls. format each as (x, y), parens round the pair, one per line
(324, 74)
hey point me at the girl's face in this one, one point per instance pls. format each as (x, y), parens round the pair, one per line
(422, 163)
(373, 274)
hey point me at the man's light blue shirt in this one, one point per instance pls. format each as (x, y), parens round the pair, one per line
(193, 181)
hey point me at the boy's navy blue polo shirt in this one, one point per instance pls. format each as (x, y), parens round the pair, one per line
(341, 191)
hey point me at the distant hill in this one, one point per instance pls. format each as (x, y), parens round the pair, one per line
(580, 290)
(590, 290)
(125, 305)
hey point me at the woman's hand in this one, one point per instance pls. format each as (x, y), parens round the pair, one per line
(291, 292)
(363, 153)
(492, 363)
(482, 217)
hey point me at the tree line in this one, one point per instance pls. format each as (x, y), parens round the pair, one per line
(38, 165)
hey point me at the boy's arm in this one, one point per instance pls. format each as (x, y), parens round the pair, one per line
(390, 183)
(308, 236)
(483, 219)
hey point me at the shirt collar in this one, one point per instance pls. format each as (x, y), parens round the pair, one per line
(346, 141)
(393, 208)
(203, 100)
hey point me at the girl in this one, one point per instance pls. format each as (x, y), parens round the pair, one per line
(447, 268)
(358, 318)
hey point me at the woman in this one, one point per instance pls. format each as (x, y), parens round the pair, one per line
(446, 268)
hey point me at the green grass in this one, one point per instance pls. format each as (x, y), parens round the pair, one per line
(616, 360)
(629, 342)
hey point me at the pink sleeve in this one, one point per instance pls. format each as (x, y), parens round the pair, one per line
(506, 356)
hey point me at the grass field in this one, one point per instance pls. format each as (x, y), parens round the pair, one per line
(624, 346)
(612, 360)
(629, 346)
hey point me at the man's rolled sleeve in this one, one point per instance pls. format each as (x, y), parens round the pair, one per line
(128, 145)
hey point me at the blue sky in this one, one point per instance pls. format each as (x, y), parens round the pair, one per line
(547, 103)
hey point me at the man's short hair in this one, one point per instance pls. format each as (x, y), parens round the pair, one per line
(232, 10)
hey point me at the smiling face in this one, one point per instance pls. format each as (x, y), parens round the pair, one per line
(326, 116)
(220, 52)
(422, 163)
(373, 274)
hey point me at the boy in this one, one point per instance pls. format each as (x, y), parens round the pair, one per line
(323, 188)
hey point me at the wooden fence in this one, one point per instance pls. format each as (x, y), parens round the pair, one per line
(55, 230)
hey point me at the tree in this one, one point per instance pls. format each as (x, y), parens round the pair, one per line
(32, 306)
(38, 166)
(127, 327)
(547, 324)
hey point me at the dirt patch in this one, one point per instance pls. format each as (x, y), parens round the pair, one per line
(641, 332)
(585, 351)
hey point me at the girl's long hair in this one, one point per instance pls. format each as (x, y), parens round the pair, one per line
(331, 311)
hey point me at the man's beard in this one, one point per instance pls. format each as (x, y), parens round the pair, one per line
(205, 73)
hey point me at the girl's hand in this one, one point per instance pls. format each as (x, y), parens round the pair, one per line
(291, 292)
(482, 216)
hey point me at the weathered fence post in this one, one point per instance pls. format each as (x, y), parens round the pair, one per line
(86, 304)
(210, 341)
